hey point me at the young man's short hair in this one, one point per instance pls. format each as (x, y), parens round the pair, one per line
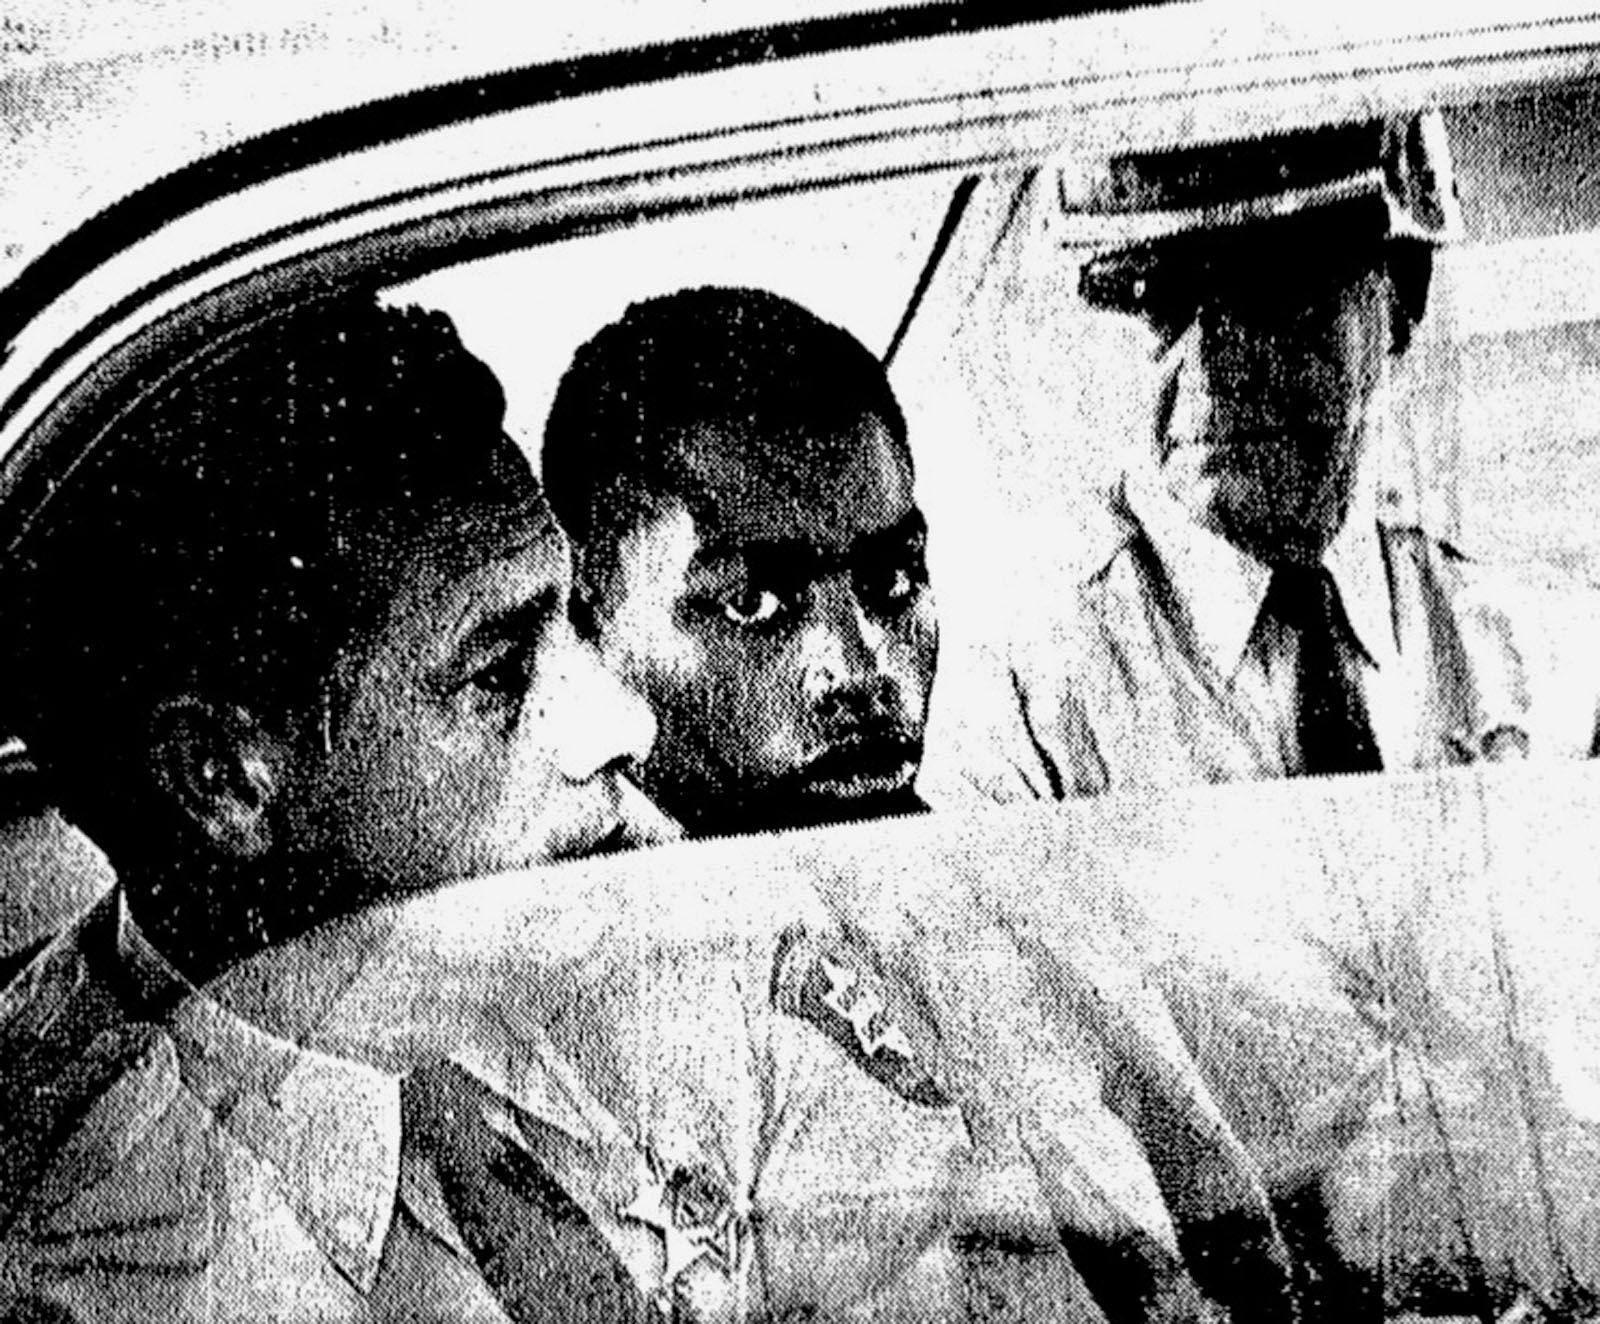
(709, 357)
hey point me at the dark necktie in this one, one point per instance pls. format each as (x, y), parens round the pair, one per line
(1330, 717)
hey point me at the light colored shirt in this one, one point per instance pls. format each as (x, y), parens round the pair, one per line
(330, 1127)
(875, 1117)
(1159, 670)
(226, 1173)
(637, 1061)
(1220, 590)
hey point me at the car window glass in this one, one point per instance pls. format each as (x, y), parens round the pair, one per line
(1025, 405)
(851, 255)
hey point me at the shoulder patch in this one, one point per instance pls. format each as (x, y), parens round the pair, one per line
(835, 990)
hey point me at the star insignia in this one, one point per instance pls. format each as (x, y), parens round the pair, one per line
(693, 1217)
(863, 1010)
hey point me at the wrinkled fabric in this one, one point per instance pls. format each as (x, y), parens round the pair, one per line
(878, 1099)
(1121, 694)
(162, 1159)
(1388, 985)
(995, 1068)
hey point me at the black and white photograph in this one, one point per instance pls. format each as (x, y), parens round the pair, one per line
(799, 660)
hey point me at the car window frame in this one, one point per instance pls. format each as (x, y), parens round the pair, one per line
(479, 173)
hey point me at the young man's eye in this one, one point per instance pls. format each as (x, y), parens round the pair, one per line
(898, 584)
(752, 606)
(892, 587)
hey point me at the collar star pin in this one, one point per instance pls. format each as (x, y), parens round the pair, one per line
(863, 1010)
(693, 1215)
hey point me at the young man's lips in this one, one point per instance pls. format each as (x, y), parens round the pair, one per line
(618, 838)
(861, 787)
(857, 771)
(581, 845)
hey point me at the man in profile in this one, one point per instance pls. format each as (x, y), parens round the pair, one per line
(1258, 616)
(295, 641)
(318, 658)
(735, 475)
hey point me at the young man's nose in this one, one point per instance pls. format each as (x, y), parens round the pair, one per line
(594, 720)
(844, 646)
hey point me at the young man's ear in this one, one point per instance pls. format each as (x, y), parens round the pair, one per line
(223, 770)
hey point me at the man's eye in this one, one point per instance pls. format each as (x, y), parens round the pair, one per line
(505, 677)
(754, 606)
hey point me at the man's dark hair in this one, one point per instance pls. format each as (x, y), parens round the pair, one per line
(745, 360)
(221, 538)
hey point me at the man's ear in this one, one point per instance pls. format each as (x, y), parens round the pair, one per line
(222, 769)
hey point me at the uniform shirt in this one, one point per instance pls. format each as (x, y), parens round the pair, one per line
(765, 1110)
(1219, 592)
(1162, 670)
(220, 1173)
(595, 1094)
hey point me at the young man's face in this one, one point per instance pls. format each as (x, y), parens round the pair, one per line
(777, 615)
(476, 732)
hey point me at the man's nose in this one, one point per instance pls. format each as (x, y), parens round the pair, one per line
(595, 720)
(844, 652)
(1225, 336)
(1238, 352)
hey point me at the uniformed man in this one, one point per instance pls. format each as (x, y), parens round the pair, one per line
(318, 658)
(293, 640)
(1259, 615)
(736, 478)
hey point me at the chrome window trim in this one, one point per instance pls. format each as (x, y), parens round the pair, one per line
(557, 168)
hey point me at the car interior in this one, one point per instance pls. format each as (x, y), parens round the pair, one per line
(930, 225)
(1024, 403)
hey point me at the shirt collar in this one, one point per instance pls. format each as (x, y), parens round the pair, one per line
(1221, 588)
(329, 1126)
(1356, 562)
